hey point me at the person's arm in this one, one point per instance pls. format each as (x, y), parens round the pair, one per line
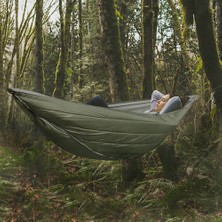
(172, 104)
(156, 95)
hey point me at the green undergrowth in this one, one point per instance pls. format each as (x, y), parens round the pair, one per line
(47, 184)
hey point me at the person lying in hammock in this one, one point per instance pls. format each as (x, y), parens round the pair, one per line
(159, 103)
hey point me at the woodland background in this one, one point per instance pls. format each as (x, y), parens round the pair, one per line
(121, 50)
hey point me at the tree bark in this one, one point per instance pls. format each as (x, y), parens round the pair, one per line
(211, 62)
(123, 23)
(39, 75)
(17, 37)
(207, 42)
(80, 44)
(65, 42)
(219, 25)
(131, 169)
(113, 50)
(147, 29)
(2, 98)
(179, 33)
(155, 8)
(212, 66)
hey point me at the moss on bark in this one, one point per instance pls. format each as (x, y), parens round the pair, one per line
(39, 74)
(113, 50)
(147, 35)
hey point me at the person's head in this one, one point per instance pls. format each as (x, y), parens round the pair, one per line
(161, 102)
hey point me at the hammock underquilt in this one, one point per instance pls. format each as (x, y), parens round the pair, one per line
(122, 131)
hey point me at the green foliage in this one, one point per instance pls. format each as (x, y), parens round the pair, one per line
(38, 163)
(51, 55)
(118, 14)
(9, 174)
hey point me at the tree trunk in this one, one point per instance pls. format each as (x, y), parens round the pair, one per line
(113, 50)
(184, 76)
(25, 29)
(65, 42)
(207, 43)
(219, 25)
(179, 33)
(211, 62)
(155, 8)
(17, 40)
(73, 77)
(2, 97)
(80, 45)
(123, 23)
(147, 28)
(39, 76)
(131, 169)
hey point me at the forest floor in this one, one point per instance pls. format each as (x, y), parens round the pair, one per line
(50, 185)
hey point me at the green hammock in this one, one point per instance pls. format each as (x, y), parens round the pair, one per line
(121, 131)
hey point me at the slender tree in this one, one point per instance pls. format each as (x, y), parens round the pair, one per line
(65, 42)
(17, 39)
(1, 71)
(184, 75)
(155, 8)
(25, 33)
(80, 44)
(19, 56)
(219, 25)
(113, 50)
(178, 32)
(147, 28)
(39, 75)
(73, 46)
(124, 13)
(131, 169)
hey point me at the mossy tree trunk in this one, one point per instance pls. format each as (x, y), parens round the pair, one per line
(166, 151)
(80, 79)
(178, 32)
(17, 37)
(124, 11)
(60, 74)
(60, 68)
(202, 13)
(2, 97)
(211, 62)
(155, 8)
(73, 46)
(147, 47)
(219, 25)
(207, 43)
(113, 50)
(183, 77)
(131, 169)
(25, 33)
(39, 75)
